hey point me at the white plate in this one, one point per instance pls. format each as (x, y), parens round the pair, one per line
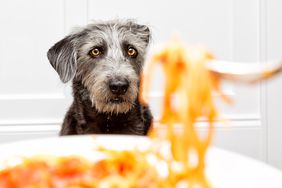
(224, 169)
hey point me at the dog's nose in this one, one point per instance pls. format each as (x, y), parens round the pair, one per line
(119, 87)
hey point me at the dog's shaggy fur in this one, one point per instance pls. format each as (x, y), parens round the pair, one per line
(106, 86)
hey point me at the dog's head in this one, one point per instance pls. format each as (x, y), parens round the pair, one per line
(108, 58)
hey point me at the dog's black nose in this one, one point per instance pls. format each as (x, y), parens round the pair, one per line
(119, 87)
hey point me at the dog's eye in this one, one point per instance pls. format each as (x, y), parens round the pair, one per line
(131, 52)
(96, 52)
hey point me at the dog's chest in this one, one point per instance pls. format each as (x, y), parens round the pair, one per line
(114, 125)
(108, 124)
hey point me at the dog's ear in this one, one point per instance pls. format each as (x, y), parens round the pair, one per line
(142, 30)
(145, 31)
(63, 58)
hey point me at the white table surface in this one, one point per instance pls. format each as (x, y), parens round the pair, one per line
(230, 170)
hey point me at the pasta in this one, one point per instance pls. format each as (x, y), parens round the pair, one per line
(186, 76)
(183, 165)
(118, 169)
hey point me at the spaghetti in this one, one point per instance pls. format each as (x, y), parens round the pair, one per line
(187, 77)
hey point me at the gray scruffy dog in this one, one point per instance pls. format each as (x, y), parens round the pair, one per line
(104, 61)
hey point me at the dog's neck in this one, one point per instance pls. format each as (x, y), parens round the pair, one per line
(111, 122)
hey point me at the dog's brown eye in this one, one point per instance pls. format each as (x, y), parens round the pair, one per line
(132, 52)
(95, 52)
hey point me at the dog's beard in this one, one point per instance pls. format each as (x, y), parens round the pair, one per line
(105, 102)
(113, 107)
(108, 103)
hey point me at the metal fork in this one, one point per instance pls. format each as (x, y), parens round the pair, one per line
(245, 72)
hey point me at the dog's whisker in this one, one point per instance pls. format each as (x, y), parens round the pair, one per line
(132, 103)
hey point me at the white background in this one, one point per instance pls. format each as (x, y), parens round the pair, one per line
(33, 101)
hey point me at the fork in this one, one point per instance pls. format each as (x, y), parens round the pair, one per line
(248, 73)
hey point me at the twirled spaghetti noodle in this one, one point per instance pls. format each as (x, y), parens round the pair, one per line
(187, 77)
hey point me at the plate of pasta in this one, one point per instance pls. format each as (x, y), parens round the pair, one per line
(119, 161)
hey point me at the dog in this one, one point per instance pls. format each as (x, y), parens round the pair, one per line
(104, 60)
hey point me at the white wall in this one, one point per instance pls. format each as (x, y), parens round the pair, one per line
(29, 90)
(272, 50)
(33, 101)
